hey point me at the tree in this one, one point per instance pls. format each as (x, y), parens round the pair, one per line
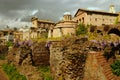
(82, 29)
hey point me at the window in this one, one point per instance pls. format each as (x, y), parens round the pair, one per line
(103, 19)
(83, 19)
(77, 20)
(90, 19)
(80, 20)
(95, 19)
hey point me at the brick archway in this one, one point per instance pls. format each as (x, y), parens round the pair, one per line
(114, 31)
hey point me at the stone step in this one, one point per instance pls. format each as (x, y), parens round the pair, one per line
(106, 68)
(101, 59)
(110, 76)
(107, 72)
(97, 55)
(103, 64)
(106, 65)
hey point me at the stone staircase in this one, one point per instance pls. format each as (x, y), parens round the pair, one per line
(105, 66)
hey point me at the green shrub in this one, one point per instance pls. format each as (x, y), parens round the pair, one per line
(82, 29)
(45, 70)
(9, 43)
(2, 56)
(12, 72)
(116, 68)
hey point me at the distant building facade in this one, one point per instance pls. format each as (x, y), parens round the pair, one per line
(97, 18)
(6, 35)
(63, 28)
(40, 27)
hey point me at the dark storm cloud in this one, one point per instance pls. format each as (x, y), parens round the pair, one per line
(23, 10)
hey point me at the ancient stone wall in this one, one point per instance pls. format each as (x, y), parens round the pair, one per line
(67, 59)
(37, 55)
(40, 54)
(24, 57)
(78, 59)
(3, 49)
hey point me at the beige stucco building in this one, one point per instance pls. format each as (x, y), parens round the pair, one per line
(6, 35)
(63, 28)
(40, 27)
(36, 23)
(97, 18)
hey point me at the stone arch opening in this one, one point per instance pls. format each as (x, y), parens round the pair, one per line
(100, 32)
(106, 28)
(114, 31)
(92, 28)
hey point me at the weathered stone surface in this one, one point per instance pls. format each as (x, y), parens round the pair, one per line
(36, 55)
(3, 50)
(20, 56)
(93, 71)
(40, 54)
(22, 59)
(67, 58)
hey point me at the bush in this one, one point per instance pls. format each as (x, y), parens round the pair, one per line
(107, 53)
(9, 43)
(81, 29)
(2, 56)
(45, 70)
(12, 72)
(116, 68)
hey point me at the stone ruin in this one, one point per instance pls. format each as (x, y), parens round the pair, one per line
(67, 58)
(3, 51)
(70, 59)
(25, 58)
(40, 54)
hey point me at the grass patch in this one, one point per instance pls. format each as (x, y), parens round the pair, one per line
(12, 72)
(2, 56)
(45, 70)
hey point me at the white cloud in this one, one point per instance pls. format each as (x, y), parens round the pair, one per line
(34, 12)
(93, 8)
(18, 11)
(67, 13)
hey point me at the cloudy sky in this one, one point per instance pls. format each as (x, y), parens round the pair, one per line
(16, 13)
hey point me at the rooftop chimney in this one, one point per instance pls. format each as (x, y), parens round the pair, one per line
(112, 9)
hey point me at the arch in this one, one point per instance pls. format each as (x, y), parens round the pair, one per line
(93, 28)
(106, 28)
(99, 31)
(114, 31)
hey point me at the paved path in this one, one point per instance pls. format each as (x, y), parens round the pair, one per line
(3, 76)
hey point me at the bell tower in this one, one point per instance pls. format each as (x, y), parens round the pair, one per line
(67, 17)
(112, 9)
